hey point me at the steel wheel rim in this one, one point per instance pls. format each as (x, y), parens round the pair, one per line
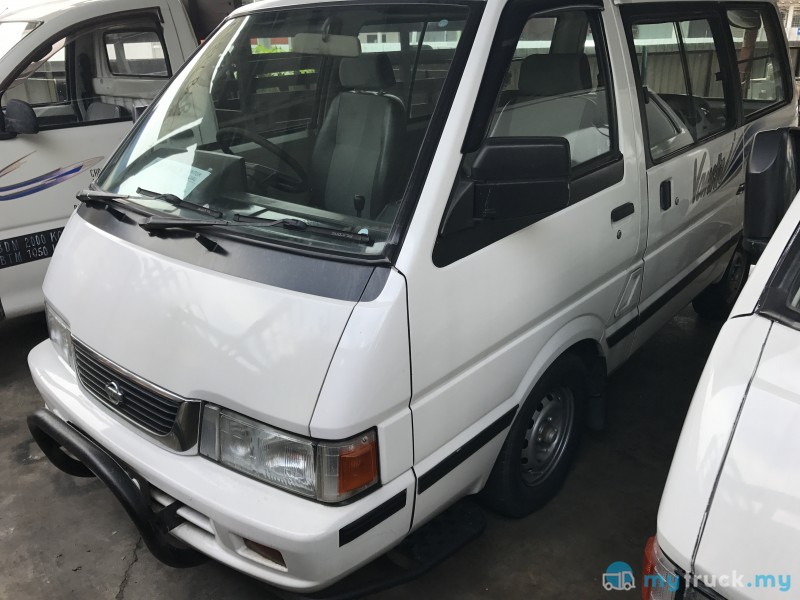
(548, 434)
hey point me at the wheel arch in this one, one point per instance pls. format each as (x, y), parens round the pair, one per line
(581, 337)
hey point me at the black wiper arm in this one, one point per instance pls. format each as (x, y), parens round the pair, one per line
(104, 200)
(299, 225)
(180, 203)
(158, 224)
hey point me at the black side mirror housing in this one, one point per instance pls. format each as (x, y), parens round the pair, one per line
(770, 186)
(514, 178)
(20, 118)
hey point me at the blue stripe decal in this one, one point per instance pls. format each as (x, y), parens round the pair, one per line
(41, 182)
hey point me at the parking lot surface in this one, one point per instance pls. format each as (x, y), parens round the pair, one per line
(62, 537)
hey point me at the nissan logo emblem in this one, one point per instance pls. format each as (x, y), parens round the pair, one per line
(113, 393)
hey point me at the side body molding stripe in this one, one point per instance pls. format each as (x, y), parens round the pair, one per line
(464, 452)
(373, 518)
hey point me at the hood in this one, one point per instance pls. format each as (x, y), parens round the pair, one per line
(706, 433)
(251, 347)
(754, 518)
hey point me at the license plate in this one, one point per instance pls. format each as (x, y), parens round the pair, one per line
(28, 248)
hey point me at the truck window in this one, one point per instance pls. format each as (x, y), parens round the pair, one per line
(683, 86)
(136, 54)
(94, 74)
(556, 85)
(44, 81)
(759, 58)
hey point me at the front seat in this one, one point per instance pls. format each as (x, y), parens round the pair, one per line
(552, 99)
(359, 146)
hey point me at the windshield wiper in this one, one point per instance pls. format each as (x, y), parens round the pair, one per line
(108, 200)
(179, 202)
(156, 224)
(300, 225)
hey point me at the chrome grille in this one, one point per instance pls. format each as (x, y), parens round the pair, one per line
(171, 419)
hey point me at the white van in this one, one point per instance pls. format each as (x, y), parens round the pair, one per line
(359, 261)
(727, 525)
(74, 73)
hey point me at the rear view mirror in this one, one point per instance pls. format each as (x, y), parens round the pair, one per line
(520, 178)
(745, 19)
(326, 44)
(20, 118)
(771, 185)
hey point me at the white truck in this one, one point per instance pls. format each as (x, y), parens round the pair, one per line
(73, 75)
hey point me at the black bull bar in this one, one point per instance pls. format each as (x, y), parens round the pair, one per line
(77, 455)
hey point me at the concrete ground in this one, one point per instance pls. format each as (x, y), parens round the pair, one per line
(62, 537)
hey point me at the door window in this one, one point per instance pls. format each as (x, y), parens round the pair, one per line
(556, 85)
(759, 59)
(43, 81)
(683, 86)
(75, 80)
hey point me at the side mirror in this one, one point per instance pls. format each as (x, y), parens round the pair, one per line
(770, 186)
(524, 179)
(20, 118)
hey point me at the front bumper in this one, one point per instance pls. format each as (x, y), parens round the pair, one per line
(218, 508)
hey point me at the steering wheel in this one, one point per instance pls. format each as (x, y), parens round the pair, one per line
(295, 182)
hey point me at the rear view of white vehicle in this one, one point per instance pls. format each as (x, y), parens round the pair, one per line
(358, 262)
(73, 75)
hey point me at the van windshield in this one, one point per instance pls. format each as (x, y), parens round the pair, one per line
(305, 114)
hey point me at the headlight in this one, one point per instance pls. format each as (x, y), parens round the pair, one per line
(326, 471)
(60, 335)
(661, 580)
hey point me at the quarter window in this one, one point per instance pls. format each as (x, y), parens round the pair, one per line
(759, 60)
(558, 89)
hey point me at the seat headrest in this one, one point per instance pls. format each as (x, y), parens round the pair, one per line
(371, 72)
(101, 111)
(554, 74)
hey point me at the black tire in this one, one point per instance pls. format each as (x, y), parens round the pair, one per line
(716, 301)
(525, 476)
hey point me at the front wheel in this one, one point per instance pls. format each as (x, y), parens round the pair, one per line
(717, 300)
(541, 443)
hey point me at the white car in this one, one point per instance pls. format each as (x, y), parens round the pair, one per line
(729, 521)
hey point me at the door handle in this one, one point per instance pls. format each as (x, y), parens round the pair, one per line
(665, 194)
(740, 189)
(622, 211)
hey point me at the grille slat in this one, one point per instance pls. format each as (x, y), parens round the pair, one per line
(150, 401)
(144, 406)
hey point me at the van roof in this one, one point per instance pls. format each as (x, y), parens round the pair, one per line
(263, 4)
(40, 10)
